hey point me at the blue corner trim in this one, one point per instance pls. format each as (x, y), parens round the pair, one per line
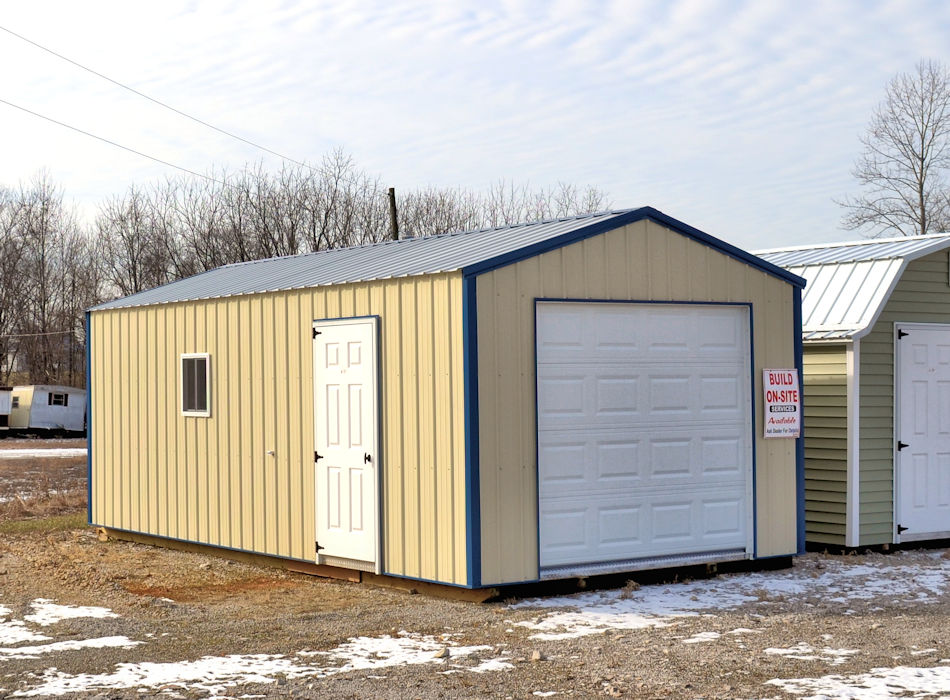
(623, 219)
(473, 517)
(755, 437)
(800, 441)
(88, 423)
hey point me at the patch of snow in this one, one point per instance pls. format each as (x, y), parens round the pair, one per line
(744, 630)
(46, 612)
(487, 665)
(923, 652)
(702, 637)
(544, 694)
(34, 652)
(657, 606)
(214, 674)
(17, 453)
(806, 652)
(879, 683)
(14, 631)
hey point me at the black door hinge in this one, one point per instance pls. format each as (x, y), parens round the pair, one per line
(317, 546)
(901, 445)
(901, 333)
(316, 456)
(900, 529)
(316, 332)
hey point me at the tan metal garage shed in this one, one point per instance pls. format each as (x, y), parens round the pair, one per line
(876, 324)
(492, 407)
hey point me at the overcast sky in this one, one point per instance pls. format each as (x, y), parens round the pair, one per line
(739, 118)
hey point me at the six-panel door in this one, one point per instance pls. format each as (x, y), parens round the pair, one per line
(345, 426)
(922, 474)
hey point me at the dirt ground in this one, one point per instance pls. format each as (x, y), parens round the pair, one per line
(174, 622)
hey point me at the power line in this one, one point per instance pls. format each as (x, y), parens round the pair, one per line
(117, 145)
(34, 335)
(162, 104)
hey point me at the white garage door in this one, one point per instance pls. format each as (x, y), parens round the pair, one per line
(644, 433)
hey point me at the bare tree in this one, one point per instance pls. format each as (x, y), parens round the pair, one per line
(906, 151)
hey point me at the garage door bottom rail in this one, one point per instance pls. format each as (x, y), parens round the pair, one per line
(618, 566)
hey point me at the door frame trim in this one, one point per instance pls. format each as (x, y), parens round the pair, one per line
(376, 323)
(896, 492)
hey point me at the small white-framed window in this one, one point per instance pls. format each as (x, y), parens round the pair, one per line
(15, 402)
(55, 398)
(196, 384)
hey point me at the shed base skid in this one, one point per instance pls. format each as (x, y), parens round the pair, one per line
(302, 567)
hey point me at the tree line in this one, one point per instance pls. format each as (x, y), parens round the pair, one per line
(53, 266)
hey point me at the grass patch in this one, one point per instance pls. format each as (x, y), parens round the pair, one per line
(56, 523)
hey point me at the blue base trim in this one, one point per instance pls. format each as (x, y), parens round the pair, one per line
(800, 441)
(473, 517)
(420, 579)
(613, 222)
(264, 554)
(88, 423)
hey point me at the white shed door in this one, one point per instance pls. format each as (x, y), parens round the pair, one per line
(345, 426)
(923, 424)
(644, 433)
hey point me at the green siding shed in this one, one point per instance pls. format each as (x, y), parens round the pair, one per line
(876, 336)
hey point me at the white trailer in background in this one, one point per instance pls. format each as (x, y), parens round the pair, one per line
(44, 407)
(6, 393)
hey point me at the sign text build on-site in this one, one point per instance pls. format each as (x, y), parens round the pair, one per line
(783, 404)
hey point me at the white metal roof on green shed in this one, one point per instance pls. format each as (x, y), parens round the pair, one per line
(850, 282)
(470, 252)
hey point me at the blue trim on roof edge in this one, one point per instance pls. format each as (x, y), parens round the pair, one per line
(473, 518)
(800, 440)
(630, 217)
(88, 423)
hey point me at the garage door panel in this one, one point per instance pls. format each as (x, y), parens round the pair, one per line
(644, 431)
(612, 526)
(572, 396)
(641, 457)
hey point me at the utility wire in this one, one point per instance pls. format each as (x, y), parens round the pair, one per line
(33, 335)
(169, 107)
(117, 145)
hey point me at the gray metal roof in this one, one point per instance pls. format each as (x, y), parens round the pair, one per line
(470, 252)
(849, 283)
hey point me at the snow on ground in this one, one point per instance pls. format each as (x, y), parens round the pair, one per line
(18, 453)
(215, 674)
(657, 606)
(34, 652)
(806, 652)
(46, 612)
(16, 631)
(898, 682)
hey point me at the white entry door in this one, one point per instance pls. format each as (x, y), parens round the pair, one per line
(922, 457)
(644, 434)
(346, 431)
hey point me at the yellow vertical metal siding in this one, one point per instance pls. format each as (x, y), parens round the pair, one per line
(640, 262)
(210, 480)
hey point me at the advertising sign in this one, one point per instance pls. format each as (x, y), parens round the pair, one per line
(783, 403)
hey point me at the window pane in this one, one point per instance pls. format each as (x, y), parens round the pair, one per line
(194, 384)
(201, 384)
(188, 384)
